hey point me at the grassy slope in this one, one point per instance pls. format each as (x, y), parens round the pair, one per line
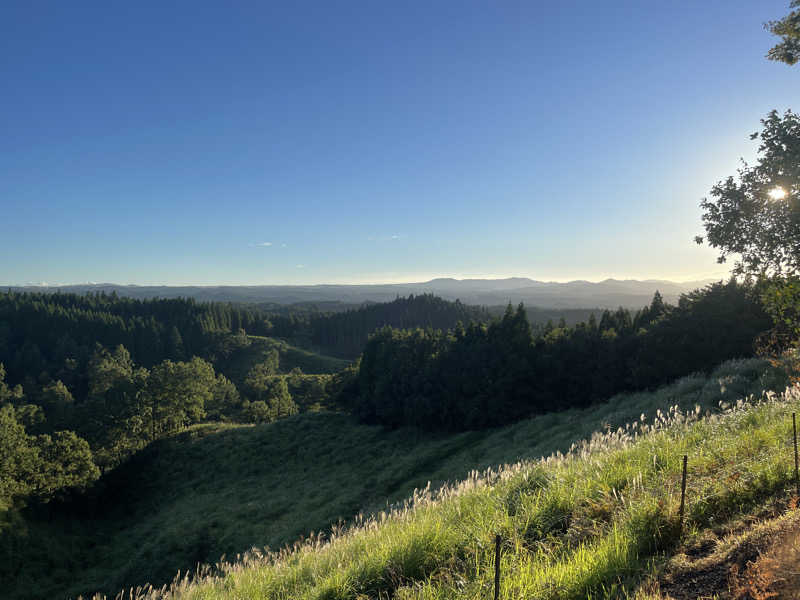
(309, 362)
(238, 364)
(219, 490)
(593, 524)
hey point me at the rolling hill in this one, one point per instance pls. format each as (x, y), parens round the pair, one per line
(216, 490)
(608, 520)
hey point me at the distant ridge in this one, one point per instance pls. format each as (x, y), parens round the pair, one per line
(609, 293)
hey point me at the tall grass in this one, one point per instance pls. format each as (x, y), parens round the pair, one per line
(579, 524)
(217, 490)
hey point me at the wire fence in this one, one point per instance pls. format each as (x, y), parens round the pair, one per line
(709, 477)
(692, 491)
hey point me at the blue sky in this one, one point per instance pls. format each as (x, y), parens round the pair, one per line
(314, 142)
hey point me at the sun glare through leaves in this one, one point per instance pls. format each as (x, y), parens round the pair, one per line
(777, 193)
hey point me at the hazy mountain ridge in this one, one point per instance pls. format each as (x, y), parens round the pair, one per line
(609, 293)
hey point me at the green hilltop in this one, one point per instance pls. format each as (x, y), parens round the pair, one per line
(290, 357)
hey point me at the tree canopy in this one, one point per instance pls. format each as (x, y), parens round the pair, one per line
(788, 29)
(756, 215)
(482, 375)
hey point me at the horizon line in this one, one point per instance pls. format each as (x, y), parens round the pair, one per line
(45, 284)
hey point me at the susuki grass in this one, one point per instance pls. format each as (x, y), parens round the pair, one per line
(219, 490)
(214, 491)
(574, 525)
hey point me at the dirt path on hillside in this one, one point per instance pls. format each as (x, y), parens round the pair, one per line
(756, 559)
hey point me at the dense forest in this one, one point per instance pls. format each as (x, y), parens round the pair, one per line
(345, 333)
(87, 381)
(92, 381)
(343, 330)
(487, 375)
(38, 331)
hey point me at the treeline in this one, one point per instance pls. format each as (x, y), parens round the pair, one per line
(539, 317)
(41, 466)
(86, 381)
(92, 379)
(345, 333)
(487, 375)
(52, 442)
(39, 330)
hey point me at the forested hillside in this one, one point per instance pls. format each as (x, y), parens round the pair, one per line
(606, 520)
(488, 375)
(540, 317)
(78, 404)
(345, 333)
(375, 335)
(91, 380)
(41, 332)
(86, 381)
(222, 489)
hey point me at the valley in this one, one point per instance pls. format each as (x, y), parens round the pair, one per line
(217, 490)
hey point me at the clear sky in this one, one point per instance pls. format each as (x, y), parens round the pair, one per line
(313, 142)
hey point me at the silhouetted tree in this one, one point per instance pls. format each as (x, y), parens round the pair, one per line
(757, 214)
(788, 29)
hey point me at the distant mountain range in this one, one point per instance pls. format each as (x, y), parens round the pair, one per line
(610, 293)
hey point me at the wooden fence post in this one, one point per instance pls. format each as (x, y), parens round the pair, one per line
(796, 478)
(497, 540)
(683, 491)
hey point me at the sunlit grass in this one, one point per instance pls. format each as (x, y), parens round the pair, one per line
(574, 526)
(217, 490)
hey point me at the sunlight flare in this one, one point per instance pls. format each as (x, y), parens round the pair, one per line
(777, 193)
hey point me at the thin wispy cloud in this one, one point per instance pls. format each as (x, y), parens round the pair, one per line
(387, 238)
(260, 244)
